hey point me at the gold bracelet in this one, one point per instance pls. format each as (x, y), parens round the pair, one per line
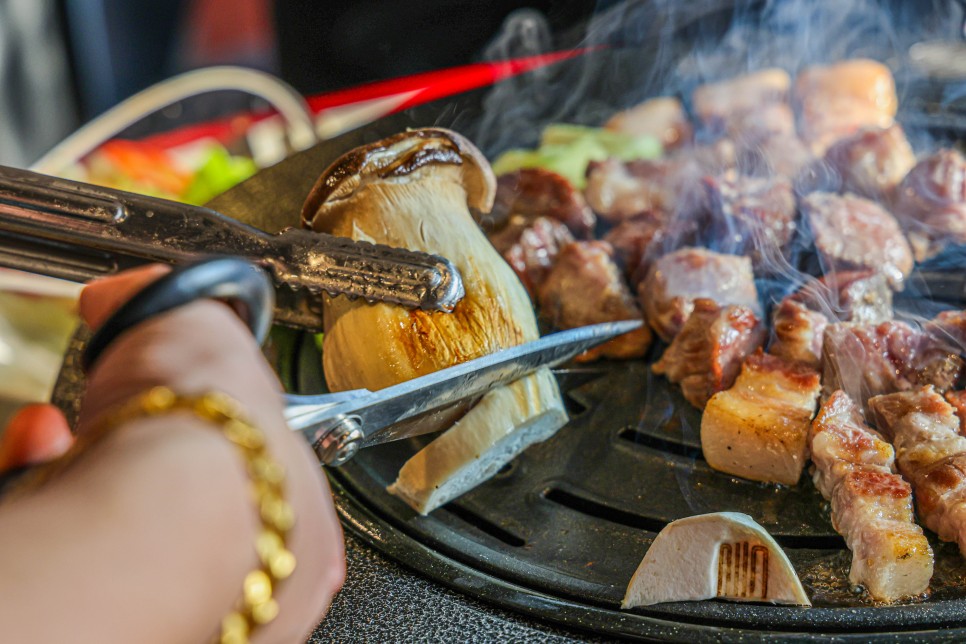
(276, 517)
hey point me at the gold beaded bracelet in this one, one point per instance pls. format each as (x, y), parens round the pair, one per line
(257, 606)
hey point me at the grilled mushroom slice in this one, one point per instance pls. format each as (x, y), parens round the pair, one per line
(416, 190)
(723, 554)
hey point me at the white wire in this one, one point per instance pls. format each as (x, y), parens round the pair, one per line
(289, 104)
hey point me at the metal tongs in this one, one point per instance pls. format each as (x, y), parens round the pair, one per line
(77, 231)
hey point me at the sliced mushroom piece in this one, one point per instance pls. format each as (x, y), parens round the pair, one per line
(723, 554)
(417, 190)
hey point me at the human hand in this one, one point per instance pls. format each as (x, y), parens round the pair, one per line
(198, 347)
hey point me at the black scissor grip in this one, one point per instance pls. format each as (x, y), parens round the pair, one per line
(240, 283)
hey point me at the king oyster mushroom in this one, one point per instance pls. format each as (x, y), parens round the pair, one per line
(417, 190)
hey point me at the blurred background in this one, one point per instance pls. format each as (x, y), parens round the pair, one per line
(63, 62)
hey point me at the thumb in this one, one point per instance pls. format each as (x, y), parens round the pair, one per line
(102, 297)
(36, 433)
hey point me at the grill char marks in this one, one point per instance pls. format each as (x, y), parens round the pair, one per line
(871, 504)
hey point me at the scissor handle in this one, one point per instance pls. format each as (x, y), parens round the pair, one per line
(241, 284)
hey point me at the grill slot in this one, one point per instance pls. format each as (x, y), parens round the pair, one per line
(601, 511)
(632, 435)
(484, 526)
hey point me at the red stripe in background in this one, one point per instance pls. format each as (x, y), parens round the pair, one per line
(428, 86)
(440, 83)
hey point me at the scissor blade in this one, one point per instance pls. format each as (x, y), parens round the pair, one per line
(474, 378)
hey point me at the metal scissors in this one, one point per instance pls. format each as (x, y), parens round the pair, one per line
(337, 425)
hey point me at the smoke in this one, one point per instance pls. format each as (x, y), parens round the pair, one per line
(668, 47)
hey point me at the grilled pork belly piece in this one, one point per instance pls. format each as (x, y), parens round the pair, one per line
(871, 504)
(931, 454)
(706, 355)
(752, 216)
(584, 287)
(867, 360)
(662, 117)
(677, 279)
(872, 162)
(535, 192)
(530, 247)
(854, 233)
(757, 429)
(931, 202)
(837, 100)
(799, 321)
(759, 98)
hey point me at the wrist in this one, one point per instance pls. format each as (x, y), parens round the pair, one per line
(157, 522)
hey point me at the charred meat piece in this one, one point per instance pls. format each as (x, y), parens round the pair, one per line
(866, 360)
(837, 100)
(586, 287)
(752, 216)
(662, 117)
(733, 104)
(854, 233)
(634, 240)
(930, 454)
(799, 332)
(871, 504)
(535, 192)
(706, 355)
(530, 247)
(872, 162)
(800, 319)
(757, 429)
(931, 202)
(677, 279)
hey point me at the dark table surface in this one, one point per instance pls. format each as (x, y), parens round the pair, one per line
(383, 601)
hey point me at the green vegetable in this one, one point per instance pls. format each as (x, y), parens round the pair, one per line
(567, 150)
(219, 172)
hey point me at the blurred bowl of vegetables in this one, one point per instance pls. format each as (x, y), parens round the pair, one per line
(187, 139)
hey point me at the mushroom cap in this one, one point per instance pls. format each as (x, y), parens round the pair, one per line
(407, 156)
